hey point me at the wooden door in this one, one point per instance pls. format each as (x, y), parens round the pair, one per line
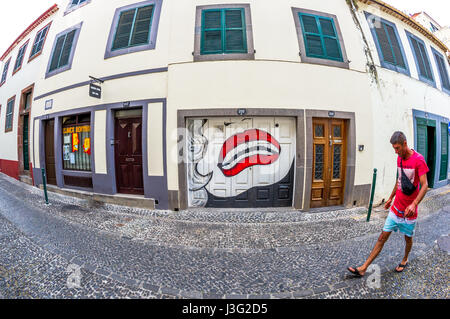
(50, 162)
(329, 161)
(128, 156)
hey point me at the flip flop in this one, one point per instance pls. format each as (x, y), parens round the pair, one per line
(355, 271)
(402, 267)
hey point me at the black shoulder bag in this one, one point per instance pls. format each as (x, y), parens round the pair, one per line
(407, 187)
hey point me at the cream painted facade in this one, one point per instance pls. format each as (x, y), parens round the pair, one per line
(170, 87)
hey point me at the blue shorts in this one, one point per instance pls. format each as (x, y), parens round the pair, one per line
(395, 223)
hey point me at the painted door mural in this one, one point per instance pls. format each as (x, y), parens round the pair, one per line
(241, 162)
(329, 154)
(128, 154)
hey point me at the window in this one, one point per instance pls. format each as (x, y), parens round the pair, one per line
(421, 57)
(39, 41)
(223, 32)
(63, 51)
(75, 4)
(19, 58)
(77, 142)
(5, 72)
(388, 44)
(442, 69)
(320, 39)
(9, 114)
(134, 28)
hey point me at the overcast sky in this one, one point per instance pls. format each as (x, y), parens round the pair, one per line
(17, 15)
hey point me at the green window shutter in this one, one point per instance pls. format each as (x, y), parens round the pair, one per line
(235, 31)
(5, 71)
(141, 30)
(422, 138)
(133, 28)
(223, 31)
(383, 41)
(67, 49)
(418, 55)
(444, 152)
(321, 40)
(124, 28)
(395, 45)
(20, 56)
(426, 62)
(39, 42)
(9, 114)
(443, 72)
(57, 53)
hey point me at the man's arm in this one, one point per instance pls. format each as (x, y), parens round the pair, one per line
(411, 209)
(394, 191)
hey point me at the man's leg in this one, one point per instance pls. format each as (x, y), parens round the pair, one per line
(408, 246)
(375, 251)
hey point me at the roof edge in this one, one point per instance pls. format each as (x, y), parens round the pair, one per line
(30, 28)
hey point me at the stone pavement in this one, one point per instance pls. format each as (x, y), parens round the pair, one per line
(82, 249)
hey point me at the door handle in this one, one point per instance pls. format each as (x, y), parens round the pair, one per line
(129, 134)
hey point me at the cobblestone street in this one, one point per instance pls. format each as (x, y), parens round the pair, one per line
(75, 248)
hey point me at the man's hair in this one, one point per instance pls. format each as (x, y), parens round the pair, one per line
(398, 138)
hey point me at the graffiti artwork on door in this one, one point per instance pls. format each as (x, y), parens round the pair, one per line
(236, 162)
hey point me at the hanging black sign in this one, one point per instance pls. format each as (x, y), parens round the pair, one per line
(95, 91)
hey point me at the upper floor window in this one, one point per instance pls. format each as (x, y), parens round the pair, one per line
(5, 71)
(134, 28)
(320, 39)
(39, 41)
(388, 44)
(442, 69)
(19, 58)
(75, 4)
(223, 32)
(421, 57)
(9, 114)
(63, 51)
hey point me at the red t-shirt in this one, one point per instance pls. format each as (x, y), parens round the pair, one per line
(414, 167)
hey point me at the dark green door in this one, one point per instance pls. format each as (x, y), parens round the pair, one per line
(426, 145)
(26, 158)
(444, 152)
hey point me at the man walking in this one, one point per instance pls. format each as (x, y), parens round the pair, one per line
(412, 171)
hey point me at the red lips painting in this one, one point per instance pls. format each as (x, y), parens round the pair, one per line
(246, 149)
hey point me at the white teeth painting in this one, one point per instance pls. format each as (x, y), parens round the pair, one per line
(240, 161)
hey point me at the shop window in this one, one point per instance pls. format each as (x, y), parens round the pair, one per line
(77, 143)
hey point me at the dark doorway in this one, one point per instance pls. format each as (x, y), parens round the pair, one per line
(50, 162)
(431, 152)
(128, 155)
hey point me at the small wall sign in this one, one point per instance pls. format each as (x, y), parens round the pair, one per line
(49, 104)
(95, 91)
